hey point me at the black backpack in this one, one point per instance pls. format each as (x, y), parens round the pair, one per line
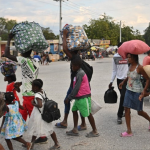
(50, 110)
(87, 69)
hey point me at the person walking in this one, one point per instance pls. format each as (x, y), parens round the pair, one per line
(120, 69)
(71, 55)
(82, 94)
(134, 91)
(37, 126)
(30, 70)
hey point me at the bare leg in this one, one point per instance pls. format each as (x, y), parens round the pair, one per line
(75, 120)
(64, 122)
(83, 124)
(144, 114)
(9, 144)
(1, 147)
(128, 120)
(92, 122)
(27, 144)
(54, 137)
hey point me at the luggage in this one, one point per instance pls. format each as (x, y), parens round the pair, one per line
(76, 38)
(50, 110)
(133, 47)
(95, 107)
(8, 68)
(110, 96)
(29, 36)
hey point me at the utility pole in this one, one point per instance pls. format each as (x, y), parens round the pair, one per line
(120, 31)
(60, 26)
(60, 22)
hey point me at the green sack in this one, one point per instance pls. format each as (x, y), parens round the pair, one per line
(29, 36)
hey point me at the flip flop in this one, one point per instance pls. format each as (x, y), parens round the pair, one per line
(71, 133)
(91, 134)
(59, 125)
(125, 134)
(54, 147)
(81, 129)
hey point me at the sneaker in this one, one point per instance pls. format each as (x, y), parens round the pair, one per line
(41, 140)
(119, 120)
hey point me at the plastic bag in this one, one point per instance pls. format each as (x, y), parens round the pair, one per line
(8, 68)
(110, 96)
(95, 107)
(29, 36)
(76, 38)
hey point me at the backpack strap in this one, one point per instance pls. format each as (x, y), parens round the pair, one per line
(43, 98)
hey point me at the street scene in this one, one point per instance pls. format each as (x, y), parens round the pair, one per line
(74, 75)
(56, 81)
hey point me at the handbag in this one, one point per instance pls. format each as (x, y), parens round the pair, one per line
(95, 107)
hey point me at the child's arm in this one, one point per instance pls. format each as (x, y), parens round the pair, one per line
(2, 123)
(75, 89)
(39, 103)
(4, 119)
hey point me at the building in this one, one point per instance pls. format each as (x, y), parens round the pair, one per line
(100, 43)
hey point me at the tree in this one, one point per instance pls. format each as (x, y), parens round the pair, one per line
(106, 28)
(5, 26)
(146, 35)
(48, 33)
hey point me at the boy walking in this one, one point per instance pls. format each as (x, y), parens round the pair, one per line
(82, 94)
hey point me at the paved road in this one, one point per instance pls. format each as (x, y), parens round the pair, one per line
(56, 82)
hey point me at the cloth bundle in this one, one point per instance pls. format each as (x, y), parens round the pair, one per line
(133, 47)
(76, 38)
(29, 36)
(8, 68)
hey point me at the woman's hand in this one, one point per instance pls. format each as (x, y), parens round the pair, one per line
(121, 84)
(65, 32)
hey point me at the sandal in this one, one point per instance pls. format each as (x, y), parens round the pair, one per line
(91, 134)
(59, 125)
(81, 128)
(126, 134)
(71, 133)
(55, 147)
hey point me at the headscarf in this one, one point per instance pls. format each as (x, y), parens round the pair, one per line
(2, 104)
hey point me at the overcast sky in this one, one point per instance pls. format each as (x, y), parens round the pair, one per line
(134, 13)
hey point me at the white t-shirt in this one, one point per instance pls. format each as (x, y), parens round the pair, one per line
(30, 70)
(120, 67)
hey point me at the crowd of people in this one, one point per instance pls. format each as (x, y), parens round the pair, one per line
(127, 71)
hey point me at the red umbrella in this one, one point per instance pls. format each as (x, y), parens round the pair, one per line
(133, 47)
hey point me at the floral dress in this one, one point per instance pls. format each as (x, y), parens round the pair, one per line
(14, 126)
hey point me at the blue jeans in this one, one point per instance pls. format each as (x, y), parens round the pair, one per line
(67, 106)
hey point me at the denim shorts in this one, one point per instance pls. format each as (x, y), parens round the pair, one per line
(132, 101)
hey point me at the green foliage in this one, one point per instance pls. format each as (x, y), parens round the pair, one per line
(5, 27)
(146, 35)
(48, 34)
(106, 28)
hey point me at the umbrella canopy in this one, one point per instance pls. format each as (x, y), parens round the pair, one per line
(133, 47)
(93, 48)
